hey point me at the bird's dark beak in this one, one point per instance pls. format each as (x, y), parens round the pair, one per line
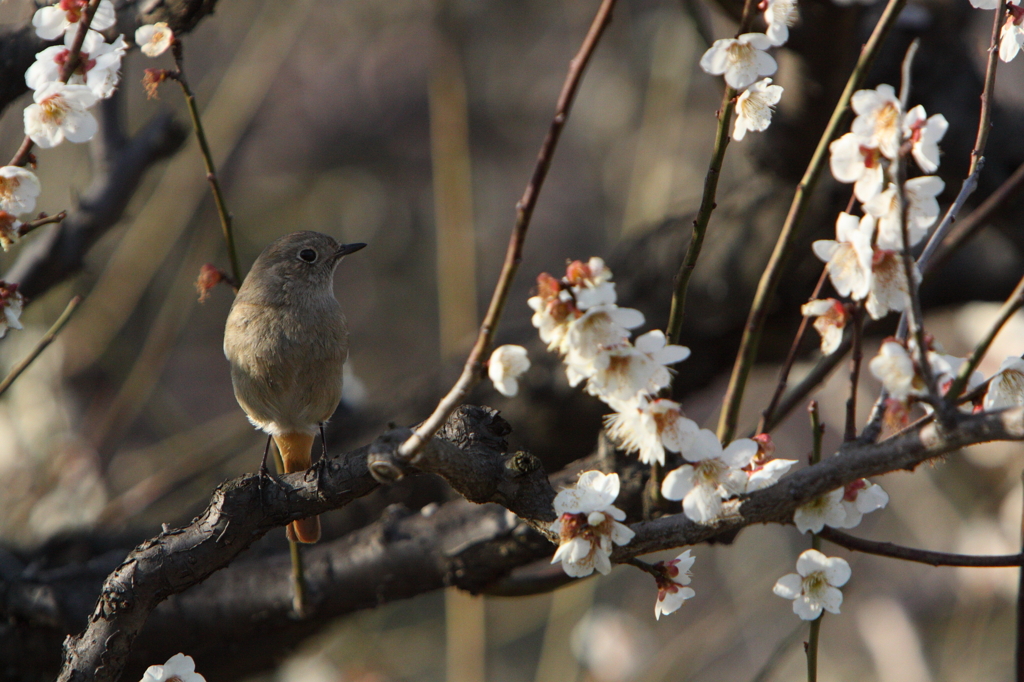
(346, 249)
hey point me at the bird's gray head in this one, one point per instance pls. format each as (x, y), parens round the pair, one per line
(305, 259)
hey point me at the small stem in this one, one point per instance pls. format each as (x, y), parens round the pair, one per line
(211, 169)
(790, 230)
(700, 223)
(818, 373)
(21, 156)
(919, 556)
(908, 62)
(47, 339)
(645, 567)
(472, 371)
(1012, 305)
(817, 432)
(850, 432)
(985, 120)
(787, 366)
(812, 649)
(39, 222)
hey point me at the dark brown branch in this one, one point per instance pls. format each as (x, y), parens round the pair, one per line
(921, 556)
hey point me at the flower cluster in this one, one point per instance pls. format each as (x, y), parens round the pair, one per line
(60, 110)
(898, 370)
(742, 60)
(588, 524)
(841, 508)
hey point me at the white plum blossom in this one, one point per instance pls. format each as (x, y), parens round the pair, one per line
(506, 365)
(50, 22)
(11, 302)
(741, 60)
(826, 510)
(830, 318)
(60, 112)
(99, 64)
(894, 367)
(889, 289)
(553, 309)
(1011, 36)
(780, 15)
(587, 336)
(649, 427)
(754, 107)
(9, 230)
(925, 132)
(673, 577)
(815, 585)
(588, 524)
(764, 470)
(625, 370)
(879, 119)
(946, 368)
(178, 668)
(1007, 387)
(853, 161)
(591, 283)
(19, 188)
(154, 39)
(859, 498)
(716, 474)
(849, 255)
(922, 210)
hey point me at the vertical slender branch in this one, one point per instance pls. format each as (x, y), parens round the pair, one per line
(707, 201)
(211, 169)
(472, 371)
(817, 432)
(985, 121)
(780, 387)
(787, 238)
(850, 432)
(22, 155)
(47, 339)
(812, 648)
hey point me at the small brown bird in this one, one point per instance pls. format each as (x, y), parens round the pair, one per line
(287, 341)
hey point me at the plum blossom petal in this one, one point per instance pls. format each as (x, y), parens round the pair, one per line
(588, 524)
(59, 113)
(10, 230)
(506, 365)
(859, 498)
(741, 60)
(52, 21)
(851, 160)
(925, 133)
(894, 367)
(11, 302)
(672, 578)
(780, 15)
(830, 318)
(879, 120)
(649, 427)
(755, 105)
(154, 39)
(19, 188)
(1007, 387)
(826, 510)
(888, 287)
(815, 585)
(849, 256)
(922, 210)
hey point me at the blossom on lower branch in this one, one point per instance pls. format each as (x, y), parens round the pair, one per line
(672, 578)
(815, 585)
(588, 524)
(179, 668)
(715, 475)
(649, 427)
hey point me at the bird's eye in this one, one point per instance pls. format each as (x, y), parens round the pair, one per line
(308, 255)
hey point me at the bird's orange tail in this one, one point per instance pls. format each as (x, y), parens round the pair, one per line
(296, 452)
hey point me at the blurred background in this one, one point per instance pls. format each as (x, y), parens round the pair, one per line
(413, 125)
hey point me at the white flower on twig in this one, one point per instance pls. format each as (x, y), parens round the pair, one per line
(99, 65)
(879, 119)
(889, 288)
(815, 585)
(9, 230)
(853, 161)
(849, 255)
(922, 210)
(754, 107)
(826, 510)
(859, 498)
(715, 475)
(19, 188)
(506, 365)
(649, 427)
(178, 668)
(50, 22)
(779, 15)
(741, 60)
(588, 524)
(1007, 387)
(830, 318)
(154, 39)
(60, 112)
(12, 302)
(925, 132)
(673, 577)
(1011, 36)
(764, 470)
(624, 370)
(894, 367)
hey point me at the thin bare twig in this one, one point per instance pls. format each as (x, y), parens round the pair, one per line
(790, 230)
(39, 222)
(211, 169)
(21, 157)
(472, 371)
(921, 556)
(818, 373)
(850, 431)
(985, 122)
(47, 339)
